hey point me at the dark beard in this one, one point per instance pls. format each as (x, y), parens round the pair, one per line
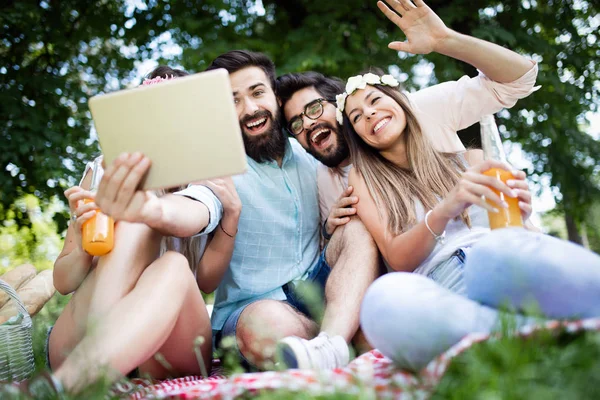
(334, 158)
(270, 145)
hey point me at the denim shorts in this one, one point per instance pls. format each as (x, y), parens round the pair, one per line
(449, 273)
(294, 297)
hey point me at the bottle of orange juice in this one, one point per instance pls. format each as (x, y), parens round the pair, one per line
(98, 232)
(493, 150)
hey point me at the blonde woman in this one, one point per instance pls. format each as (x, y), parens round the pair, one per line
(426, 211)
(141, 299)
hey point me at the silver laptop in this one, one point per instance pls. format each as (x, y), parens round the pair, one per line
(187, 126)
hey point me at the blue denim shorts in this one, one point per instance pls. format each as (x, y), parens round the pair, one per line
(318, 276)
(449, 273)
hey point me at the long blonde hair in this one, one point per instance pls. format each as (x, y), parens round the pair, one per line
(429, 177)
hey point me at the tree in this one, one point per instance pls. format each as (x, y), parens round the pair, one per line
(339, 38)
(342, 38)
(54, 56)
(37, 244)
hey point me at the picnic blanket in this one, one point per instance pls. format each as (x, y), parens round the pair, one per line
(371, 375)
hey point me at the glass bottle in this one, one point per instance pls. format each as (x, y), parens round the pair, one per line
(493, 150)
(98, 232)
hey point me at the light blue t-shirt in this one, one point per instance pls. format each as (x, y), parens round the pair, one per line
(278, 231)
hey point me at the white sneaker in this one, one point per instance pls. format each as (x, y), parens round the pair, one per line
(319, 353)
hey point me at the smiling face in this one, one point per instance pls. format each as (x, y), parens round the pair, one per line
(258, 113)
(320, 137)
(376, 117)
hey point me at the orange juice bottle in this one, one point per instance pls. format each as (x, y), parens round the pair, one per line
(98, 232)
(493, 150)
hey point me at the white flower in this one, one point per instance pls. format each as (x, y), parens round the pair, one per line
(371, 79)
(340, 100)
(354, 83)
(339, 116)
(389, 81)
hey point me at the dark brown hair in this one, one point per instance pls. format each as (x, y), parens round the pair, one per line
(236, 60)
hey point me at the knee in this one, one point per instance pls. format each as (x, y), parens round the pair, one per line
(134, 233)
(397, 291)
(261, 320)
(398, 317)
(355, 230)
(353, 236)
(260, 326)
(174, 271)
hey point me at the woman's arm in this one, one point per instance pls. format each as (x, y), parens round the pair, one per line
(217, 256)
(73, 263)
(426, 32)
(406, 251)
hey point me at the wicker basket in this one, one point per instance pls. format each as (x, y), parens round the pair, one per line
(16, 348)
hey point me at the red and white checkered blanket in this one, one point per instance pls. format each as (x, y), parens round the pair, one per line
(371, 374)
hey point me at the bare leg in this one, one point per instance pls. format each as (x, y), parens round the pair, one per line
(354, 259)
(118, 272)
(136, 246)
(134, 329)
(263, 323)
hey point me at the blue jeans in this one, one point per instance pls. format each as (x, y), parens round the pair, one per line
(508, 267)
(294, 297)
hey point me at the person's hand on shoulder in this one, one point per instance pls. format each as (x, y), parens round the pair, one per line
(341, 211)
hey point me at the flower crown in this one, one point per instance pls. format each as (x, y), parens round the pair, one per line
(157, 79)
(360, 82)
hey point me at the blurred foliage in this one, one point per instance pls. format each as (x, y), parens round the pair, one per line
(37, 243)
(56, 54)
(553, 222)
(547, 365)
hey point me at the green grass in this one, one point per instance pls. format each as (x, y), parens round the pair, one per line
(544, 366)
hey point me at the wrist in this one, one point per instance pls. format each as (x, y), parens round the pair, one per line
(447, 42)
(230, 222)
(232, 214)
(81, 253)
(438, 218)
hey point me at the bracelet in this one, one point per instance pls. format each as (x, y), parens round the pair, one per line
(326, 235)
(441, 238)
(227, 233)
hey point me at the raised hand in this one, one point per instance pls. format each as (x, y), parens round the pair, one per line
(474, 188)
(118, 195)
(341, 211)
(424, 30)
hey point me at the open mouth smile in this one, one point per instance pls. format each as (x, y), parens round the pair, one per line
(381, 124)
(257, 125)
(320, 137)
